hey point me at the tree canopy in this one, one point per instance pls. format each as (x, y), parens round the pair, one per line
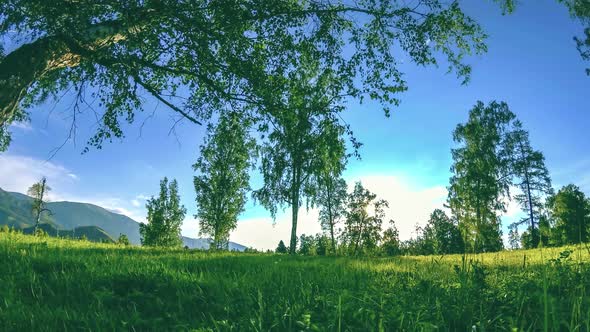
(362, 231)
(222, 180)
(196, 56)
(165, 216)
(570, 209)
(481, 174)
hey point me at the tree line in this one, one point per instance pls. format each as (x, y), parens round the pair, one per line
(493, 157)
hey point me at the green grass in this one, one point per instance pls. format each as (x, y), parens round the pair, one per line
(55, 284)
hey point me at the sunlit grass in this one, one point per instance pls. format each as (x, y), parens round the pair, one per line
(53, 284)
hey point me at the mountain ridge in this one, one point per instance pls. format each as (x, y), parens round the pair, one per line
(66, 215)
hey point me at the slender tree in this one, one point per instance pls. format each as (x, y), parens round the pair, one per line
(513, 237)
(331, 196)
(332, 203)
(218, 51)
(38, 192)
(481, 174)
(300, 127)
(571, 213)
(528, 167)
(362, 231)
(222, 182)
(165, 216)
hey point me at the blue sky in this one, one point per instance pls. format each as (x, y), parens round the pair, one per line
(532, 64)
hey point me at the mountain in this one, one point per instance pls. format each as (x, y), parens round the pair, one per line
(15, 211)
(92, 233)
(203, 243)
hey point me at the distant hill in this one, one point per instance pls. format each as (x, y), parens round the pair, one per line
(92, 233)
(15, 211)
(202, 243)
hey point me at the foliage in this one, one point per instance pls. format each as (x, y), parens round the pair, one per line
(165, 216)
(580, 9)
(53, 284)
(322, 244)
(514, 238)
(570, 210)
(123, 240)
(528, 168)
(281, 248)
(38, 192)
(303, 138)
(442, 235)
(390, 243)
(362, 230)
(307, 245)
(222, 182)
(481, 174)
(196, 56)
(331, 201)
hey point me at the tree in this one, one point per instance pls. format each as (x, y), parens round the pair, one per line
(331, 200)
(322, 244)
(165, 216)
(222, 182)
(123, 240)
(217, 51)
(307, 245)
(302, 127)
(442, 234)
(481, 174)
(528, 167)
(362, 231)
(390, 243)
(570, 211)
(38, 192)
(281, 248)
(514, 238)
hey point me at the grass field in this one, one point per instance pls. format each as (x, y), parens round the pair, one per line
(62, 285)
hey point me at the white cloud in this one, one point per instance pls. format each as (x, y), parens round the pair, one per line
(25, 126)
(190, 226)
(18, 173)
(262, 233)
(113, 204)
(135, 203)
(408, 206)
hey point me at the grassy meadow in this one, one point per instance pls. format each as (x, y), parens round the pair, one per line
(63, 285)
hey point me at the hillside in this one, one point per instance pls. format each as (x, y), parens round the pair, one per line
(15, 211)
(91, 233)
